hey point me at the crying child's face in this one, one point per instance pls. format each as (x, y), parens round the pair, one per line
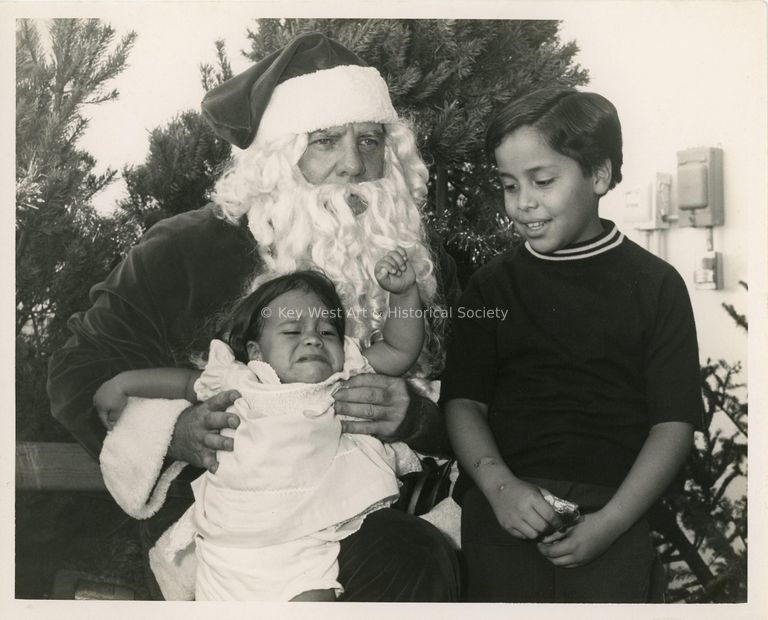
(298, 339)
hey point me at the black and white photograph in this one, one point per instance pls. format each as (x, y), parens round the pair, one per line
(443, 303)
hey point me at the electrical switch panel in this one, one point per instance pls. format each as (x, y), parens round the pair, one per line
(700, 187)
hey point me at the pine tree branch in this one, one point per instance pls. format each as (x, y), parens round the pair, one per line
(737, 423)
(666, 524)
(739, 319)
(724, 485)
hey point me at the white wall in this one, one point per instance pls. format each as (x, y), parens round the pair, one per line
(685, 75)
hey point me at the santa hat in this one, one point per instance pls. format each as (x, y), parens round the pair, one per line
(312, 83)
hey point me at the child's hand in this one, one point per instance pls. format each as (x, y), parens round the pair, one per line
(521, 509)
(394, 272)
(580, 544)
(109, 401)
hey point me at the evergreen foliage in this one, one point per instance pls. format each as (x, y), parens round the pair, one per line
(740, 319)
(63, 246)
(702, 526)
(185, 159)
(211, 76)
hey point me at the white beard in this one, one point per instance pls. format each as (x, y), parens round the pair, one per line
(311, 226)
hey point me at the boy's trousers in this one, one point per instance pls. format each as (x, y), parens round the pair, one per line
(501, 568)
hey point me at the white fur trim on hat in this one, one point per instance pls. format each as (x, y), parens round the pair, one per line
(133, 453)
(326, 98)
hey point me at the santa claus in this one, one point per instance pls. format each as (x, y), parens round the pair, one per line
(329, 177)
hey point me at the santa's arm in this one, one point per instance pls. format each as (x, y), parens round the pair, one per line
(123, 330)
(126, 328)
(148, 303)
(423, 428)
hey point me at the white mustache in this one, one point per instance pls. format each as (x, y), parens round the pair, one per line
(357, 196)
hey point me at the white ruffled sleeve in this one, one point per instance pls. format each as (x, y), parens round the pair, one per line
(217, 376)
(354, 360)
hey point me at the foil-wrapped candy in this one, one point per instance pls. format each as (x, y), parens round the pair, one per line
(567, 511)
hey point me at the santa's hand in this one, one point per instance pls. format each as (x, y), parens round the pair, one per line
(380, 402)
(394, 272)
(197, 437)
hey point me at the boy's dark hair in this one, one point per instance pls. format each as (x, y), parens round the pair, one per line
(579, 125)
(246, 320)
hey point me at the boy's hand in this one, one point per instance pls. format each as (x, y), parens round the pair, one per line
(582, 543)
(393, 271)
(109, 401)
(521, 509)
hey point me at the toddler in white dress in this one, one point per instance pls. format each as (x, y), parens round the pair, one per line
(267, 524)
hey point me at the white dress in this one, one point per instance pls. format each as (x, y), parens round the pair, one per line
(266, 526)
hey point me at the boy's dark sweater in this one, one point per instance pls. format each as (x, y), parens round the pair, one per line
(598, 345)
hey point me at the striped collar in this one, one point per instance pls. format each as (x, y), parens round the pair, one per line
(609, 239)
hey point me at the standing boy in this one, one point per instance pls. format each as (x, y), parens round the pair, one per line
(588, 390)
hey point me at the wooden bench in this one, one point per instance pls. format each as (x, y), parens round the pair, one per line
(60, 466)
(49, 466)
(55, 466)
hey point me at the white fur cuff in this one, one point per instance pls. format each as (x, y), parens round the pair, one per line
(133, 453)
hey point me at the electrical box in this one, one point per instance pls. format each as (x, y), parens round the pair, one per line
(700, 187)
(709, 272)
(648, 208)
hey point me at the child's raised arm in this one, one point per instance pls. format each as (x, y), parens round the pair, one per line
(173, 383)
(660, 458)
(519, 506)
(404, 328)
